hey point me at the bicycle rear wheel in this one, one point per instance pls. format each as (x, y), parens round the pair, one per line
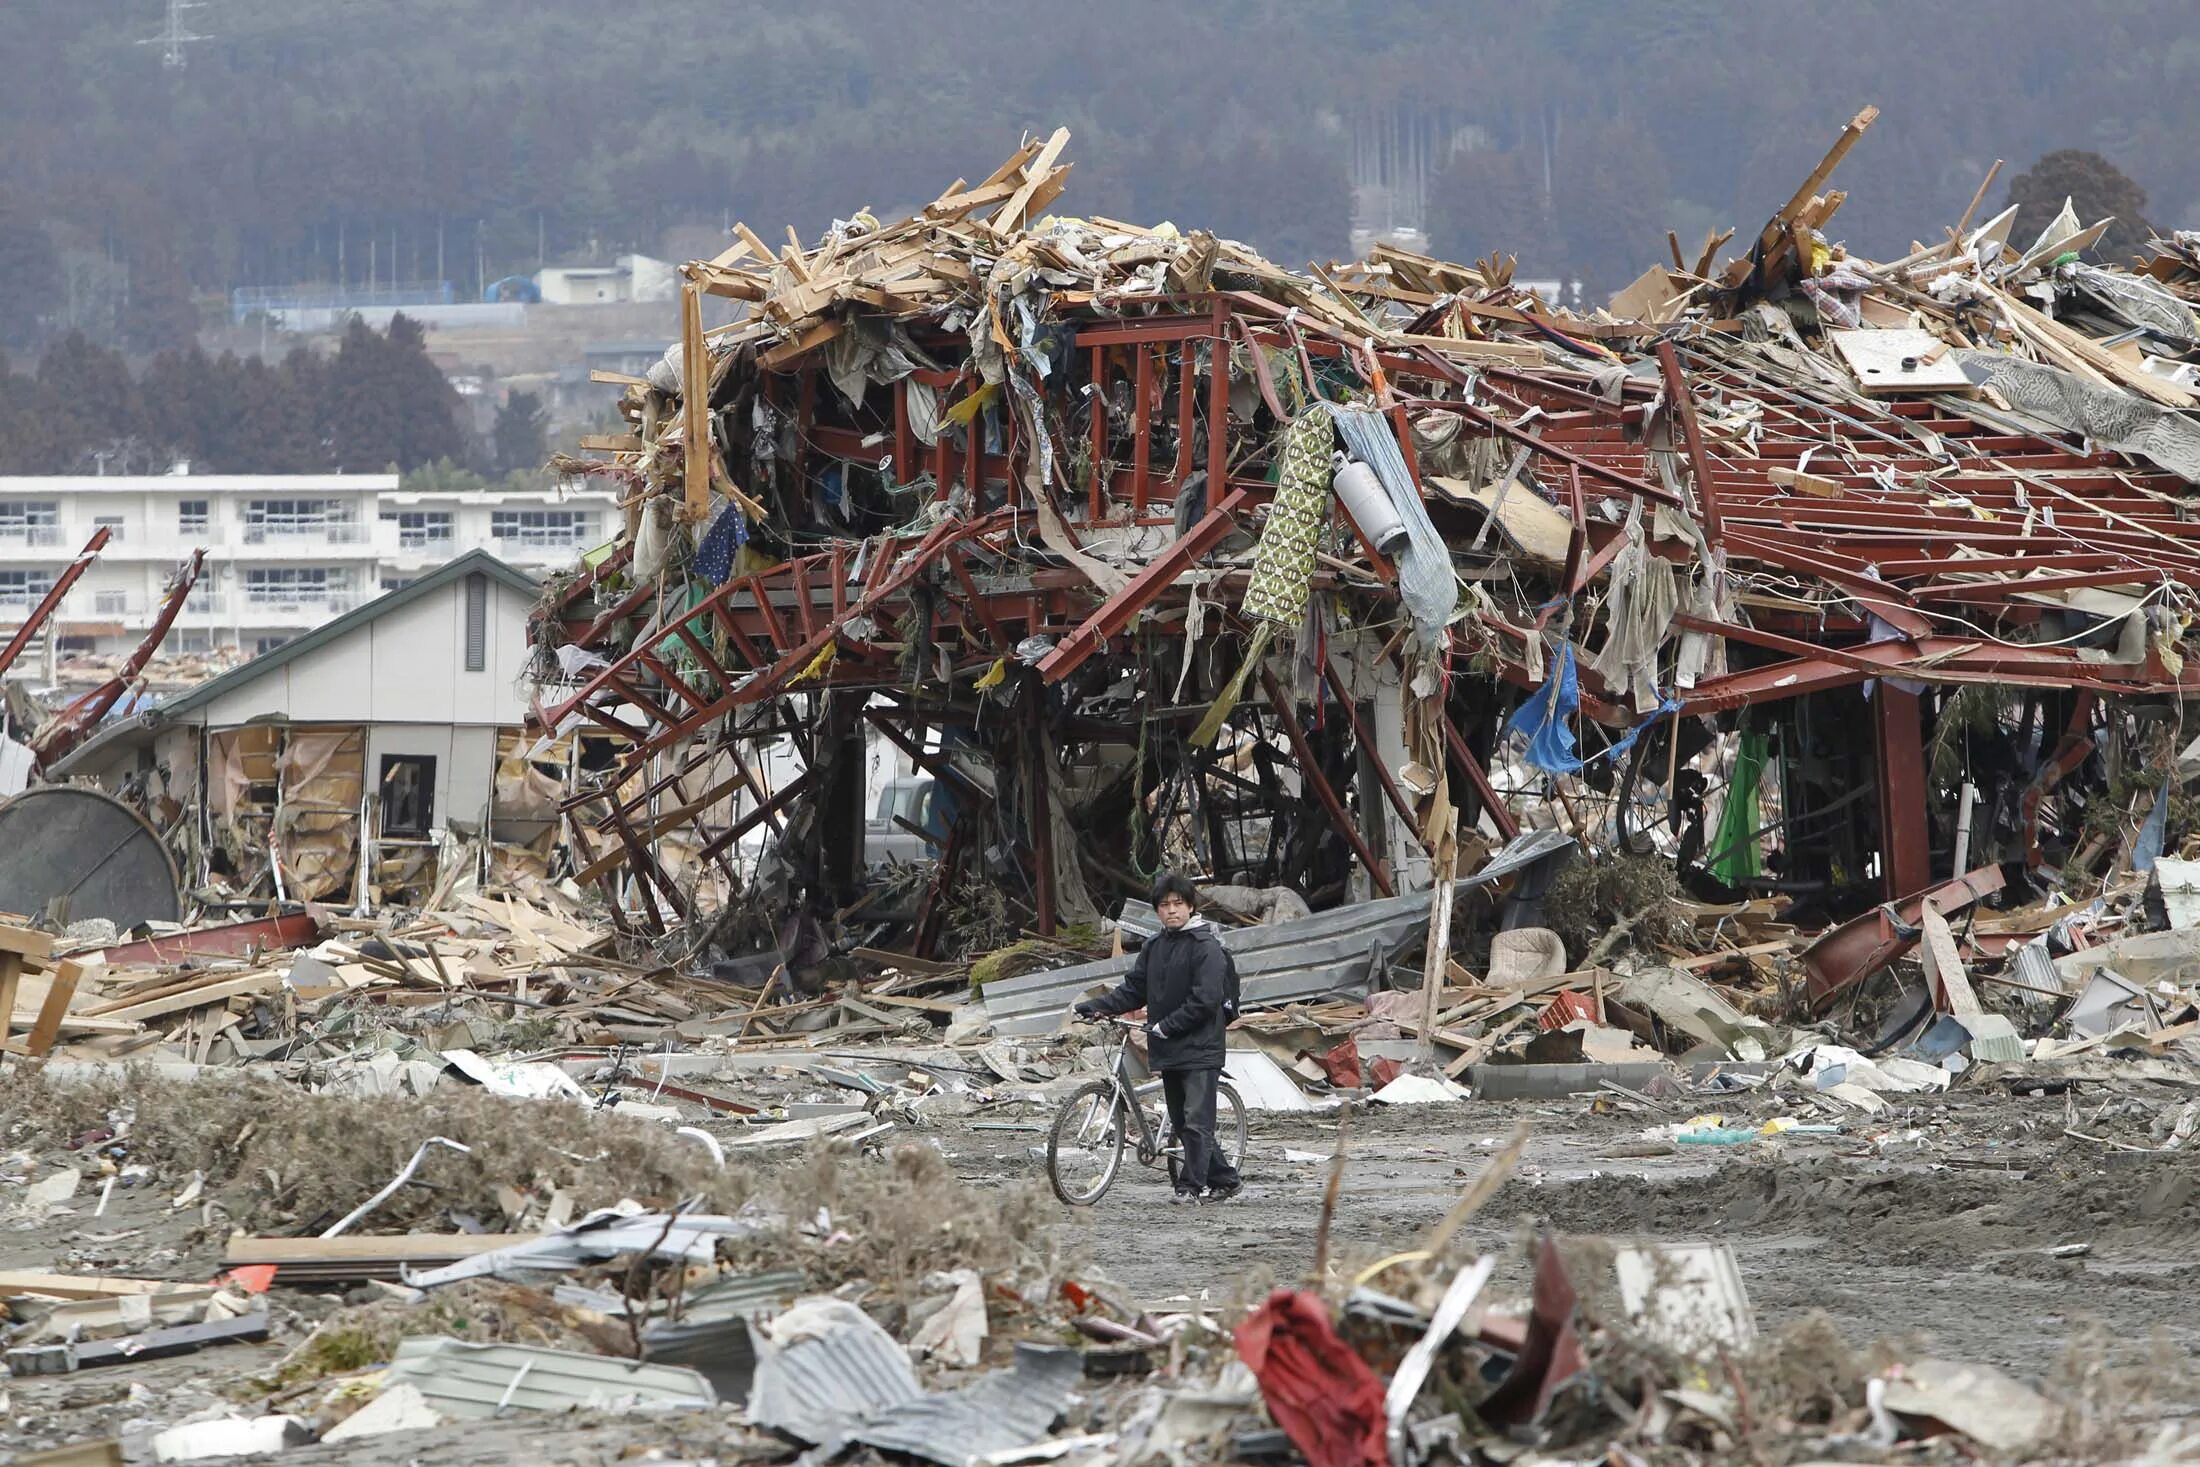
(1230, 1132)
(1086, 1145)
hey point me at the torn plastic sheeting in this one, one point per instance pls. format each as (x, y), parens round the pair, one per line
(480, 1381)
(1318, 1389)
(692, 1238)
(1545, 720)
(521, 1081)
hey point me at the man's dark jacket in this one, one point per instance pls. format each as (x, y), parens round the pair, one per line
(1181, 979)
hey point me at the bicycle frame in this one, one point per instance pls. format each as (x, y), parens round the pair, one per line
(1130, 1096)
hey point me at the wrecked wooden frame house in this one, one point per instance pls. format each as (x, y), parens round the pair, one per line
(1815, 575)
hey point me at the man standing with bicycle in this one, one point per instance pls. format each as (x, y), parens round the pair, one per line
(1182, 980)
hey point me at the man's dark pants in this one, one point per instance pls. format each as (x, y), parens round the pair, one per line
(1191, 1097)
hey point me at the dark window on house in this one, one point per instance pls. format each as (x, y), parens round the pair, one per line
(192, 517)
(408, 795)
(477, 622)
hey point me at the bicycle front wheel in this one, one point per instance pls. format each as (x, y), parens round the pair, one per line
(1086, 1145)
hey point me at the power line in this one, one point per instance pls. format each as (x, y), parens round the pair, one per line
(175, 34)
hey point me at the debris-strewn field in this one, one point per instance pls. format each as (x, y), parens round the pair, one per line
(1693, 846)
(1975, 1228)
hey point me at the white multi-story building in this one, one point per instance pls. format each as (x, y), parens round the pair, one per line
(285, 552)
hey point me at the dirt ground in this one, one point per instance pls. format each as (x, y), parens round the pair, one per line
(1937, 1223)
(1934, 1222)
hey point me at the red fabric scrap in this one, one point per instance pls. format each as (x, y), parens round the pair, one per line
(1321, 1393)
(1384, 1070)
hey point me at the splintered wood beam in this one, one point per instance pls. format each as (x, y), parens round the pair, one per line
(695, 449)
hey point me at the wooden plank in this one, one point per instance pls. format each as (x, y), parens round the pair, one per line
(408, 1247)
(196, 998)
(695, 450)
(79, 1286)
(60, 990)
(611, 443)
(1944, 966)
(616, 379)
(24, 941)
(1013, 212)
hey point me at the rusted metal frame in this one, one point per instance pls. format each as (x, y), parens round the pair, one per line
(1577, 543)
(1039, 818)
(1774, 642)
(651, 874)
(793, 790)
(1218, 405)
(1186, 397)
(684, 810)
(84, 713)
(626, 690)
(767, 683)
(905, 452)
(1933, 565)
(760, 588)
(2070, 751)
(1891, 603)
(1116, 613)
(603, 720)
(1863, 945)
(52, 599)
(1677, 393)
(1141, 427)
(734, 634)
(1310, 771)
(1366, 738)
(1500, 816)
(805, 422)
(1095, 487)
(1627, 412)
(1905, 850)
(839, 573)
(671, 681)
(702, 652)
(1589, 466)
(936, 765)
(804, 611)
(595, 575)
(577, 834)
(1819, 673)
(958, 561)
(1991, 593)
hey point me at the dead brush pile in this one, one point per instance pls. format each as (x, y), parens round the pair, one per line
(279, 1160)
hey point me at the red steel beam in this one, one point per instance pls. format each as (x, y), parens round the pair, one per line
(1160, 573)
(52, 599)
(1311, 772)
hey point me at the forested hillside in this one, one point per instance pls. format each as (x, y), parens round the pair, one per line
(470, 137)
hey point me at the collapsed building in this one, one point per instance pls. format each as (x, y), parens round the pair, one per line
(1814, 576)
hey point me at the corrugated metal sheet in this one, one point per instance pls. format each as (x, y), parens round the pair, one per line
(1278, 963)
(465, 1380)
(823, 1366)
(1009, 1408)
(693, 1238)
(712, 1333)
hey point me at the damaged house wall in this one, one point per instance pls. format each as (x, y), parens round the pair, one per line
(397, 708)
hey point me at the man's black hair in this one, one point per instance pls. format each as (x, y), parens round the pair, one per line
(1172, 885)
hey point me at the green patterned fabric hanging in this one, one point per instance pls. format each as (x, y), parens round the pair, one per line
(1736, 852)
(1283, 562)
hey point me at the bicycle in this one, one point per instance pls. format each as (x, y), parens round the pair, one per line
(1096, 1123)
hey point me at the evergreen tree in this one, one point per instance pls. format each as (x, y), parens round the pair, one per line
(2096, 189)
(520, 440)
